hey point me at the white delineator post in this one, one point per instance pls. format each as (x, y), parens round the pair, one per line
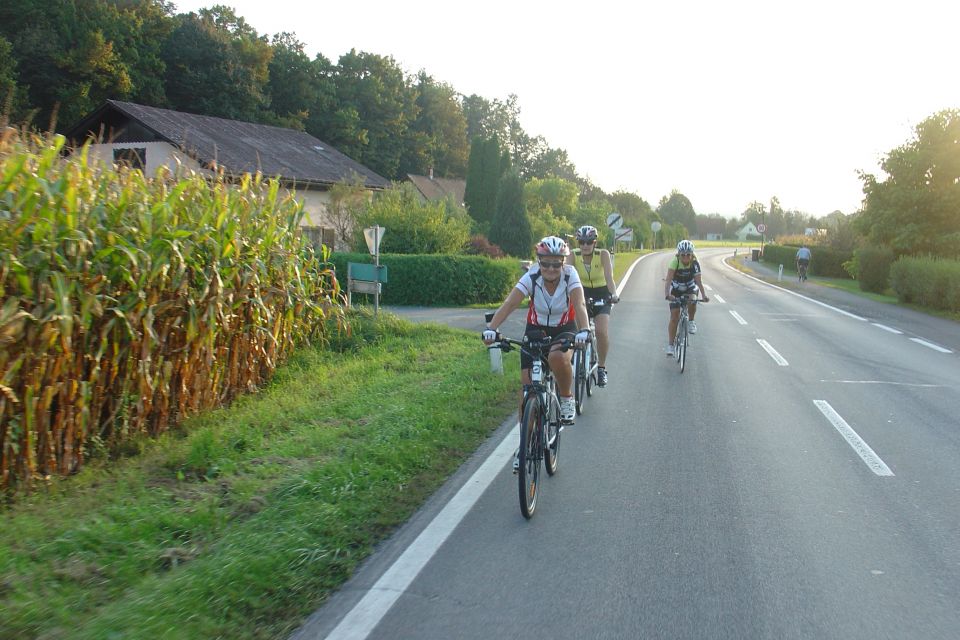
(496, 356)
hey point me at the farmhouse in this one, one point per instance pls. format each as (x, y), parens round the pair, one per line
(148, 138)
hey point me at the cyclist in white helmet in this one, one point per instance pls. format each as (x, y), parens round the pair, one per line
(595, 268)
(683, 277)
(556, 307)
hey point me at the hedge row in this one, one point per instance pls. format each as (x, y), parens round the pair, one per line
(438, 280)
(825, 262)
(930, 282)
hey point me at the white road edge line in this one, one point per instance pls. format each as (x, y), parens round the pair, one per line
(737, 317)
(794, 293)
(367, 613)
(626, 276)
(935, 347)
(886, 328)
(863, 450)
(779, 359)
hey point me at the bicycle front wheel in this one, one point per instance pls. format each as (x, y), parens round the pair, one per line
(591, 361)
(682, 345)
(528, 475)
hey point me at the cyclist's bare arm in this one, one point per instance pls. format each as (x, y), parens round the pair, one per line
(580, 308)
(703, 292)
(608, 272)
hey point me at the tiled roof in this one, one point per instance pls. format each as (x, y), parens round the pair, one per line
(439, 188)
(240, 147)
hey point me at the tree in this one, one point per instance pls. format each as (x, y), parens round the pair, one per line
(511, 226)
(439, 132)
(296, 85)
(676, 209)
(385, 104)
(347, 202)
(917, 208)
(483, 178)
(217, 65)
(412, 226)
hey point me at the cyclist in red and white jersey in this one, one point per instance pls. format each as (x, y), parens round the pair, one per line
(556, 308)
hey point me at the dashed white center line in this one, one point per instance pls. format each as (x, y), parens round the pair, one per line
(737, 317)
(863, 450)
(779, 359)
(719, 299)
(886, 328)
(935, 347)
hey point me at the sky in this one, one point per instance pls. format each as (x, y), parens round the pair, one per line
(727, 102)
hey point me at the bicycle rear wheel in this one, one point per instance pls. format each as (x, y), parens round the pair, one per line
(551, 431)
(580, 379)
(528, 475)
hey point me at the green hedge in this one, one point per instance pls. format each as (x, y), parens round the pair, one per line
(825, 262)
(438, 280)
(871, 267)
(930, 282)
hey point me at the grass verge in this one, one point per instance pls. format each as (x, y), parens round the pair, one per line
(243, 523)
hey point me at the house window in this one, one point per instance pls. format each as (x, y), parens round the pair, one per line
(133, 157)
(320, 235)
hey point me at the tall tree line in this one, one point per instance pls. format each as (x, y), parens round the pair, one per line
(60, 59)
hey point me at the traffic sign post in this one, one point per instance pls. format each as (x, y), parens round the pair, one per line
(761, 228)
(655, 226)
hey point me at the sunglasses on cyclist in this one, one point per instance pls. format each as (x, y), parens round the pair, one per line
(686, 255)
(550, 265)
(587, 241)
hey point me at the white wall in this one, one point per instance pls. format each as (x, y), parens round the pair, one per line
(158, 155)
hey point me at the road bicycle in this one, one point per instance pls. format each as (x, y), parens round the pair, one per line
(540, 424)
(682, 342)
(802, 272)
(585, 361)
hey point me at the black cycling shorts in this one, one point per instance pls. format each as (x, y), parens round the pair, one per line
(526, 361)
(597, 293)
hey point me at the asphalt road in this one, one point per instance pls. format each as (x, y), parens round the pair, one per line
(799, 480)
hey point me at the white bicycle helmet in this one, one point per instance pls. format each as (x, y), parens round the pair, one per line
(684, 246)
(552, 246)
(587, 233)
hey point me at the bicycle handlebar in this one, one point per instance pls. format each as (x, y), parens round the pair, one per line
(509, 344)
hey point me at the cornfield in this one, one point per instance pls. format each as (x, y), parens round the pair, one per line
(129, 303)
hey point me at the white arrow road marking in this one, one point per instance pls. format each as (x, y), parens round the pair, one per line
(863, 450)
(779, 359)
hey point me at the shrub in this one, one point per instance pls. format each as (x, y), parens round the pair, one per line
(872, 268)
(927, 281)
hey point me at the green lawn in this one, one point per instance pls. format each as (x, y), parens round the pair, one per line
(243, 523)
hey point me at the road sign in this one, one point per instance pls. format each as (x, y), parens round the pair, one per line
(614, 220)
(761, 227)
(655, 225)
(625, 235)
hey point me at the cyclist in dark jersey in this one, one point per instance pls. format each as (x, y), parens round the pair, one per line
(683, 277)
(595, 268)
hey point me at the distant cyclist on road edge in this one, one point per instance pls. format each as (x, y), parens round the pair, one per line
(598, 283)
(803, 260)
(683, 277)
(556, 307)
